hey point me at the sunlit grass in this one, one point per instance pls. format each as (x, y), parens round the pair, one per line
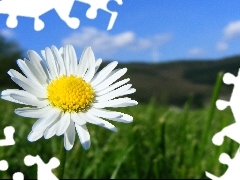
(162, 142)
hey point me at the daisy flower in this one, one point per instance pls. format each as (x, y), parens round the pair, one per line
(66, 94)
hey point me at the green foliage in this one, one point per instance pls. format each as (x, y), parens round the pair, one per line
(161, 142)
(9, 53)
(204, 72)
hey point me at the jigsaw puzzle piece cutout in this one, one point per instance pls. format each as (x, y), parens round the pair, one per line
(232, 131)
(38, 24)
(222, 104)
(25, 8)
(36, 8)
(233, 103)
(233, 167)
(8, 133)
(95, 5)
(6, 9)
(18, 176)
(229, 78)
(12, 21)
(63, 8)
(44, 170)
(114, 5)
(3, 165)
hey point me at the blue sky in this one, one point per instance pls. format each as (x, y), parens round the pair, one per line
(145, 30)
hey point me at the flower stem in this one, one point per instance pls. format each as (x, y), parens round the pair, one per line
(62, 161)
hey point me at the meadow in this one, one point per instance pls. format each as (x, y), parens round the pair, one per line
(162, 142)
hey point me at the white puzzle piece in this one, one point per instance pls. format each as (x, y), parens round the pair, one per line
(95, 5)
(18, 176)
(36, 8)
(44, 171)
(232, 131)
(3, 165)
(233, 171)
(8, 132)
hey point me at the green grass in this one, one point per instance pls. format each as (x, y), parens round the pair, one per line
(161, 142)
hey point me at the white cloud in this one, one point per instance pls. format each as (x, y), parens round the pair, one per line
(7, 33)
(196, 51)
(222, 46)
(155, 54)
(106, 43)
(230, 32)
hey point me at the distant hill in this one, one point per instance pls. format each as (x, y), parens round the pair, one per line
(171, 83)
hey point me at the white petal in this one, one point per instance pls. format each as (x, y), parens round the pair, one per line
(126, 104)
(29, 99)
(15, 91)
(59, 59)
(41, 78)
(109, 126)
(35, 135)
(25, 69)
(43, 122)
(30, 87)
(77, 119)
(83, 63)
(6, 95)
(8, 98)
(98, 78)
(91, 65)
(101, 122)
(104, 113)
(83, 135)
(72, 59)
(69, 136)
(43, 54)
(112, 87)
(51, 130)
(27, 84)
(45, 65)
(97, 64)
(90, 118)
(61, 51)
(111, 103)
(32, 112)
(111, 79)
(52, 64)
(125, 118)
(38, 67)
(113, 94)
(23, 97)
(66, 60)
(129, 91)
(63, 123)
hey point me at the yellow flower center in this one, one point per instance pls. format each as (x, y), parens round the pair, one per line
(70, 93)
